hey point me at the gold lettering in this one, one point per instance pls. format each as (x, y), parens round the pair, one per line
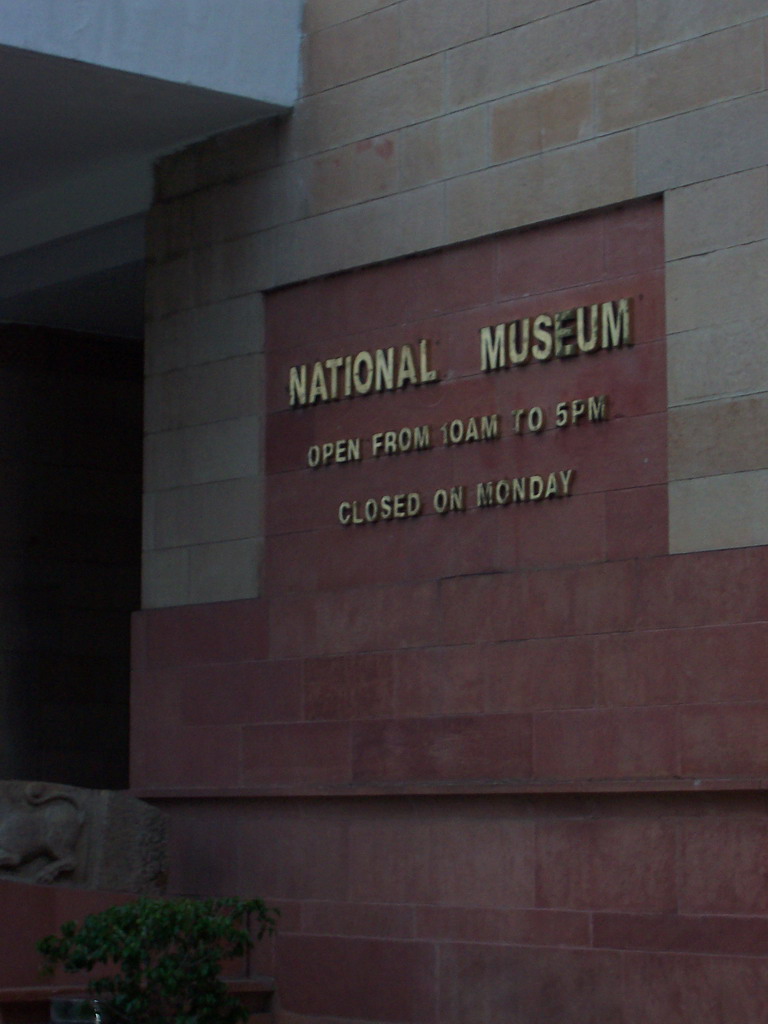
(535, 488)
(347, 376)
(489, 427)
(413, 503)
(586, 344)
(616, 330)
(333, 366)
(363, 381)
(542, 332)
(427, 374)
(297, 385)
(485, 494)
(317, 389)
(353, 449)
(406, 373)
(519, 342)
(456, 499)
(492, 349)
(518, 489)
(371, 510)
(564, 329)
(421, 438)
(503, 492)
(597, 408)
(385, 369)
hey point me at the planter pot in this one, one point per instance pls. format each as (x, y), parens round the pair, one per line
(76, 1011)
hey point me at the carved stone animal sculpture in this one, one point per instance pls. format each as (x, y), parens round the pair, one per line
(48, 826)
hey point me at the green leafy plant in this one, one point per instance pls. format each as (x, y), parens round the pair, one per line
(166, 957)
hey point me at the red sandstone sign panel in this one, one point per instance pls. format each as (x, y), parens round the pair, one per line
(512, 391)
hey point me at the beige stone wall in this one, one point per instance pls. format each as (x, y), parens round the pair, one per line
(424, 123)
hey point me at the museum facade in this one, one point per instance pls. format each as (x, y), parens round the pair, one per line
(453, 631)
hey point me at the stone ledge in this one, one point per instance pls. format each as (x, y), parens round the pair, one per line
(479, 788)
(30, 1005)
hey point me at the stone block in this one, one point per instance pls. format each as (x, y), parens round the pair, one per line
(503, 15)
(227, 449)
(575, 40)
(165, 343)
(231, 154)
(206, 513)
(581, 177)
(714, 512)
(165, 578)
(621, 864)
(660, 23)
(367, 233)
(459, 748)
(97, 839)
(229, 571)
(177, 638)
(371, 107)
(428, 26)
(698, 589)
(376, 871)
(232, 269)
(443, 147)
(723, 864)
(177, 232)
(712, 438)
(586, 744)
(661, 987)
(170, 286)
(351, 50)
(483, 862)
(227, 389)
(353, 174)
(307, 752)
(358, 978)
(176, 174)
(516, 927)
(679, 78)
(319, 14)
(250, 204)
(716, 214)
(500, 984)
(164, 756)
(541, 119)
(374, 921)
(720, 287)
(246, 150)
(682, 933)
(702, 144)
(701, 367)
(724, 741)
(233, 327)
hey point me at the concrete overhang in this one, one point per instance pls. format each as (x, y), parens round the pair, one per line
(94, 91)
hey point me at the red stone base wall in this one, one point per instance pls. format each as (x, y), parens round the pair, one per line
(503, 766)
(601, 909)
